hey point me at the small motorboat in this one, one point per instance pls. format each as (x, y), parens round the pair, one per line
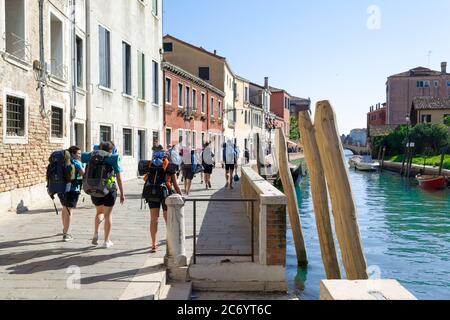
(364, 163)
(432, 182)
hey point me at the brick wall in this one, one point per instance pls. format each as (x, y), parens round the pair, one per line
(276, 235)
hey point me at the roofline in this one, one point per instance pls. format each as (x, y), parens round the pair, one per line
(183, 73)
(195, 47)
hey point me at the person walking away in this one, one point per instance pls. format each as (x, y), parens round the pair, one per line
(208, 164)
(188, 169)
(230, 160)
(160, 183)
(103, 176)
(64, 175)
(247, 156)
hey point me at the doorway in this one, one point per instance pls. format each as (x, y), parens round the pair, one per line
(141, 145)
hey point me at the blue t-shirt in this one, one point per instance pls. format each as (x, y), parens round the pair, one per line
(76, 185)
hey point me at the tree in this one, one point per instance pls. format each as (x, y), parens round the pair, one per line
(447, 121)
(294, 133)
(429, 136)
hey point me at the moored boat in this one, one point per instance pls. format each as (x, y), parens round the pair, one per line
(432, 182)
(363, 163)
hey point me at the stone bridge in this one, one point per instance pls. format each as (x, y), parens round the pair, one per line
(362, 150)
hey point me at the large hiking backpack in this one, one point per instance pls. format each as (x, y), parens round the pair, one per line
(155, 188)
(60, 172)
(97, 181)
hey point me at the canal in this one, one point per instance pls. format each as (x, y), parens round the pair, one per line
(405, 233)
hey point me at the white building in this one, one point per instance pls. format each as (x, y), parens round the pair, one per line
(125, 86)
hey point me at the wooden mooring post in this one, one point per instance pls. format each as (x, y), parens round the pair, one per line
(319, 196)
(337, 177)
(289, 191)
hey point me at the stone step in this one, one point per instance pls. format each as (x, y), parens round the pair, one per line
(180, 291)
(148, 283)
(237, 277)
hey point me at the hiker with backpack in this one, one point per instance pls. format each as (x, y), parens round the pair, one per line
(160, 182)
(64, 174)
(230, 157)
(208, 164)
(103, 176)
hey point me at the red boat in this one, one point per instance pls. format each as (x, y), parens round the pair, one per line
(432, 182)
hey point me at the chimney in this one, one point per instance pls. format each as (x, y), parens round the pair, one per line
(215, 52)
(444, 67)
(266, 82)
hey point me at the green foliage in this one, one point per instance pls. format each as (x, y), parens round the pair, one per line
(429, 161)
(429, 139)
(294, 133)
(447, 121)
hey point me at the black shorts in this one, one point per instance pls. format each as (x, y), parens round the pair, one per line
(229, 167)
(208, 168)
(69, 199)
(108, 201)
(157, 205)
(188, 174)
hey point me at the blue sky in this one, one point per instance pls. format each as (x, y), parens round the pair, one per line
(323, 49)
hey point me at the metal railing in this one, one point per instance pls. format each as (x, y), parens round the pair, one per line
(220, 254)
(59, 70)
(17, 47)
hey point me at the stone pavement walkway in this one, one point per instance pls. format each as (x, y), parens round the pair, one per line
(36, 264)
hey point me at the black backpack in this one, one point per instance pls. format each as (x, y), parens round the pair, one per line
(97, 179)
(155, 187)
(60, 172)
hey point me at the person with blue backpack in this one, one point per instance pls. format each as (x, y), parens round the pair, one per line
(64, 175)
(160, 182)
(102, 179)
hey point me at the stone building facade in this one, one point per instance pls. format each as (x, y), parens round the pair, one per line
(32, 125)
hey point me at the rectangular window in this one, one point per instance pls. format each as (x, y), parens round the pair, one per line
(156, 138)
(180, 137)
(423, 84)
(126, 68)
(246, 94)
(245, 117)
(168, 47)
(188, 138)
(188, 100)
(203, 103)
(180, 95)
(155, 7)
(203, 138)
(194, 100)
(105, 134)
(426, 118)
(448, 84)
(212, 107)
(168, 90)
(79, 62)
(168, 137)
(15, 116)
(56, 48)
(16, 44)
(57, 122)
(203, 73)
(220, 109)
(436, 84)
(194, 140)
(141, 75)
(105, 57)
(155, 82)
(127, 142)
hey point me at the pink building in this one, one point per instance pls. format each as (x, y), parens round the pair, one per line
(420, 82)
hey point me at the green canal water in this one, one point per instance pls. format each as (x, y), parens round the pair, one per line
(405, 233)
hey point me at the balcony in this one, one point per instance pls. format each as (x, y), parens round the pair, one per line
(17, 48)
(59, 71)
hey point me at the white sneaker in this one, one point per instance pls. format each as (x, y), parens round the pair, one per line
(108, 244)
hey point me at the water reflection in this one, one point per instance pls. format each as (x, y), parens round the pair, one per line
(405, 231)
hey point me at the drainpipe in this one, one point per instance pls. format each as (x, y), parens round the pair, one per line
(43, 71)
(88, 129)
(73, 99)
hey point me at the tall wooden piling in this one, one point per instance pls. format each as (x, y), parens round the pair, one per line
(320, 196)
(289, 190)
(337, 176)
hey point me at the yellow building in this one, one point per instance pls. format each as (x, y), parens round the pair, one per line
(430, 110)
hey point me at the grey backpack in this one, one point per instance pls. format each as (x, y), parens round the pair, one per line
(97, 181)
